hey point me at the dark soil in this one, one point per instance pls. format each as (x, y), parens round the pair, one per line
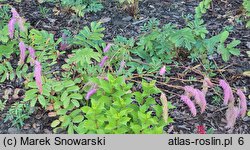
(118, 22)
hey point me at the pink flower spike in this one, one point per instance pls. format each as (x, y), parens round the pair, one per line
(231, 116)
(191, 90)
(15, 13)
(11, 27)
(104, 59)
(21, 24)
(202, 100)
(106, 49)
(190, 104)
(90, 93)
(22, 48)
(38, 75)
(243, 103)
(228, 94)
(162, 70)
(198, 96)
(32, 53)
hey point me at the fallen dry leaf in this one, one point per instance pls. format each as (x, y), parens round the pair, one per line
(15, 95)
(50, 107)
(7, 93)
(246, 73)
(164, 102)
(52, 114)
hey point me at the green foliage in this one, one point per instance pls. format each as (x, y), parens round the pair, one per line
(82, 6)
(83, 59)
(116, 109)
(45, 46)
(43, 11)
(153, 23)
(229, 49)
(113, 109)
(18, 113)
(67, 95)
(7, 46)
(90, 37)
(2, 104)
(202, 8)
(33, 96)
(7, 72)
(4, 15)
(159, 46)
(246, 5)
(68, 121)
(216, 98)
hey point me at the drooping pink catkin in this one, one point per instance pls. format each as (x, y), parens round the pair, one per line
(104, 59)
(106, 49)
(202, 100)
(38, 75)
(243, 103)
(22, 48)
(190, 90)
(11, 27)
(190, 104)
(162, 70)
(20, 22)
(90, 93)
(19, 19)
(231, 116)
(32, 53)
(198, 96)
(228, 94)
(14, 13)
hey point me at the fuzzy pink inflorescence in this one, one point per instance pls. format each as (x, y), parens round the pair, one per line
(106, 49)
(22, 48)
(202, 100)
(162, 70)
(190, 104)
(32, 53)
(228, 94)
(198, 96)
(19, 19)
(90, 93)
(20, 22)
(11, 27)
(38, 75)
(231, 116)
(14, 13)
(15, 19)
(243, 103)
(104, 59)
